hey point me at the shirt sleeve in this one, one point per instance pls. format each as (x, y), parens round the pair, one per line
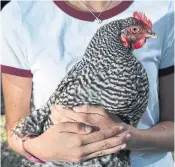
(166, 65)
(14, 57)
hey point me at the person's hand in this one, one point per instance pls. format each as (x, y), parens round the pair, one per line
(95, 115)
(56, 144)
(92, 115)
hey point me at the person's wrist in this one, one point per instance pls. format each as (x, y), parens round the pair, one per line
(137, 138)
(32, 147)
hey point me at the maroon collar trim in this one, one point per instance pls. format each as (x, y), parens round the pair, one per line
(88, 16)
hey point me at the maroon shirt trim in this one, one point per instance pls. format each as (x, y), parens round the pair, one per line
(16, 71)
(88, 16)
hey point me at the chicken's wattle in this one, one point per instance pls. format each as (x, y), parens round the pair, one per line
(139, 43)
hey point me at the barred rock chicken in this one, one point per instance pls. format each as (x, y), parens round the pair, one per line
(108, 75)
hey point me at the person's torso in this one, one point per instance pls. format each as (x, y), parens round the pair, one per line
(55, 41)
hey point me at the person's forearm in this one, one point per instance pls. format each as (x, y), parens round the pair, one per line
(160, 137)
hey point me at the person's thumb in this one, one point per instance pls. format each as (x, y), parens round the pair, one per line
(74, 127)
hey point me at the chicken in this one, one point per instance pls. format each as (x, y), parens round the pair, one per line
(108, 75)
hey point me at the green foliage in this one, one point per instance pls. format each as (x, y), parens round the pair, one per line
(3, 133)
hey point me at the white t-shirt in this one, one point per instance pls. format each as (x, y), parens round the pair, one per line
(44, 39)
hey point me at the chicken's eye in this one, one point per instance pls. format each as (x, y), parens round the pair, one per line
(135, 29)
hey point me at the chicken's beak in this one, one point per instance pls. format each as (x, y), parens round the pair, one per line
(151, 35)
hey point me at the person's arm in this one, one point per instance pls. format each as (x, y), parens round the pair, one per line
(17, 94)
(161, 136)
(53, 144)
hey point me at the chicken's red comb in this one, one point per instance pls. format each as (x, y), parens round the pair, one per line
(141, 17)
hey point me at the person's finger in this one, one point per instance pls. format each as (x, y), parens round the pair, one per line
(104, 152)
(54, 121)
(82, 108)
(61, 119)
(70, 114)
(90, 109)
(104, 144)
(56, 111)
(74, 127)
(101, 135)
(56, 116)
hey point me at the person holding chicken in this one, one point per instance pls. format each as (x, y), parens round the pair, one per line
(32, 56)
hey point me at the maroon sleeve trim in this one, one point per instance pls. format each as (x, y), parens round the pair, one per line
(166, 71)
(16, 71)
